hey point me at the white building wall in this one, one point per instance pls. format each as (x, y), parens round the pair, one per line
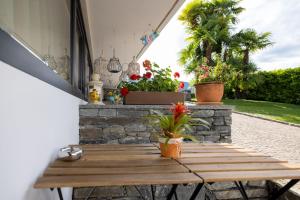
(36, 119)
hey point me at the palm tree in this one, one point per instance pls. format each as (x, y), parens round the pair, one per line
(208, 24)
(248, 40)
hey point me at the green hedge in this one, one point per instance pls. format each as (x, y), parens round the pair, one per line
(278, 86)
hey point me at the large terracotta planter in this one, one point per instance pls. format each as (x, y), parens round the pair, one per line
(209, 93)
(172, 149)
(153, 98)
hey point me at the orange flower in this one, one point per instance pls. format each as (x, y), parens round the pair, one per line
(147, 65)
(178, 109)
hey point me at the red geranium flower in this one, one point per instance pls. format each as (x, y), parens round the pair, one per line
(124, 91)
(176, 75)
(178, 109)
(147, 75)
(181, 85)
(147, 65)
(135, 77)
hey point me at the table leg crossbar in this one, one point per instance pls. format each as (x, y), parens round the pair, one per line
(198, 188)
(285, 188)
(274, 196)
(172, 192)
(242, 190)
(59, 193)
(196, 191)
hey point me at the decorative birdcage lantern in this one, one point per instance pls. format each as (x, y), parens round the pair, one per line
(114, 65)
(133, 67)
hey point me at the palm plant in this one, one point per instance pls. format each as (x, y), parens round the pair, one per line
(248, 40)
(208, 24)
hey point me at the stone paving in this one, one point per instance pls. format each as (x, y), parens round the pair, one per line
(275, 139)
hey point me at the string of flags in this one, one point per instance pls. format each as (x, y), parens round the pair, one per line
(148, 39)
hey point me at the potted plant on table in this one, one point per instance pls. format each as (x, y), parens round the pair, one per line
(172, 129)
(210, 82)
(156, 86)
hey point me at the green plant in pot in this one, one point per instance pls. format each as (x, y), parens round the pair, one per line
(172, 128)
(209, 82)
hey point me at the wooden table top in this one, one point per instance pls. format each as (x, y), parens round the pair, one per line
(116, 165)
(141, 164)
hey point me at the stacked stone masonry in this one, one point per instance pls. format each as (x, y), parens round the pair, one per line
(126, 124)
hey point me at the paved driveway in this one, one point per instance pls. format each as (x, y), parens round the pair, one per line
(275, 139)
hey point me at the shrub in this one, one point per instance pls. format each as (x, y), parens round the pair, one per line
(279, 86)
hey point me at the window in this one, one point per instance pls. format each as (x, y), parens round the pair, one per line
(53, 30)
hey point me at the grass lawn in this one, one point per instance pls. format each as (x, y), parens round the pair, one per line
(278, 111)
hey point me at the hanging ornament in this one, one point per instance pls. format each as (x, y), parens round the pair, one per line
(133, 67)
(148, 39)
(114, 65)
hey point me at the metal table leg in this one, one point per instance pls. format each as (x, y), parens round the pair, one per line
(196, 191)
(90, 193)
(59, 193)
(172, 192)
(241, 189)
(153, 192)
(137, 189)
(285, 188)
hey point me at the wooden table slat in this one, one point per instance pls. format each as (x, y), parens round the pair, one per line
(122, 152)
(229, 160)
(120, 157)
(241, 167)
(117, 163)
(249, 175)
(223, 150)
(115, 180)
(119, 148)
(214, 155)
(115, 170)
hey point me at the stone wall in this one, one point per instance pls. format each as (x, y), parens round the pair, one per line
(126, 124)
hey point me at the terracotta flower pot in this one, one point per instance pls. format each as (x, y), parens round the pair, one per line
(209, 93)
(172, 149)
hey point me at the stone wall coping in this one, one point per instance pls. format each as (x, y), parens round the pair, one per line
(191, 106)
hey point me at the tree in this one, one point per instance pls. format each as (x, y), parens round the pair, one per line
(208, 24)
(247, 41)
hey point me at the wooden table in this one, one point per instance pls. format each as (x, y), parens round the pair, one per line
(141, 164)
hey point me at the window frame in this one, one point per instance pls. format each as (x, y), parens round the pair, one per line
(14, 53)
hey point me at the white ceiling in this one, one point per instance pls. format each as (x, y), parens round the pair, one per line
(120, 24)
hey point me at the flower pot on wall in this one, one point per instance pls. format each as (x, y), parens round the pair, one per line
(209, 93)
(153, 98)
(172, 149)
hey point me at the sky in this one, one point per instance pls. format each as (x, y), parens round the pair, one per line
(280, 17)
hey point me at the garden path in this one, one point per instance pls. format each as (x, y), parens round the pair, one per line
(275, 139)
